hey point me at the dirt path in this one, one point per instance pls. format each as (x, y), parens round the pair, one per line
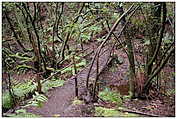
(115, 76)
(61, 98)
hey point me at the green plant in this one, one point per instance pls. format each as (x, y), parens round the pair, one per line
(170, 92)
(77, 101)
(22, 113)
(37, 100)
(111, 96)
(106, 112)
(85, 36)
(23, 89)
(7, 101)
(51, 84)
(71, 68)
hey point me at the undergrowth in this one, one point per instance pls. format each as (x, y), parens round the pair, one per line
(117, 99)
(22, 113)
(111, 96)
(106, 112)
(22, 90)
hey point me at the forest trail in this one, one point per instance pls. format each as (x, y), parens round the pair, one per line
(61, 97)
(117, 78)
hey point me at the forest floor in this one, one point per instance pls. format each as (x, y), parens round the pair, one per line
(113, 76)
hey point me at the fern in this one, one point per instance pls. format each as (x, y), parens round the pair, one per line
(96, 28)
(111, 96)
(23, 89)
(83, 63)
(20, 91)
(22, 113)
(51, 84)
(37, 100)
(71, 69)
(106, 112)
(85, 37)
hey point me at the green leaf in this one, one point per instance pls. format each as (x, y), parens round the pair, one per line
(37, 100)
(23, 114)
(51, 84)
(68, 69)
(21, 111)
(83, 63)
(77, 102)
(111, 96)
(23, 89)
(85, 36)
(95, 28)
(147, 42)
(7, 101)
(106, 112)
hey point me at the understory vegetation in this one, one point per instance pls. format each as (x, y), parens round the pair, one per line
(109, 59)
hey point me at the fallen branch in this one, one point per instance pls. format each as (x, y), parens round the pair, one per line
(138, 112)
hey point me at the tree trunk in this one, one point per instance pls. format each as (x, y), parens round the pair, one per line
(155, 21)
(128, 36)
